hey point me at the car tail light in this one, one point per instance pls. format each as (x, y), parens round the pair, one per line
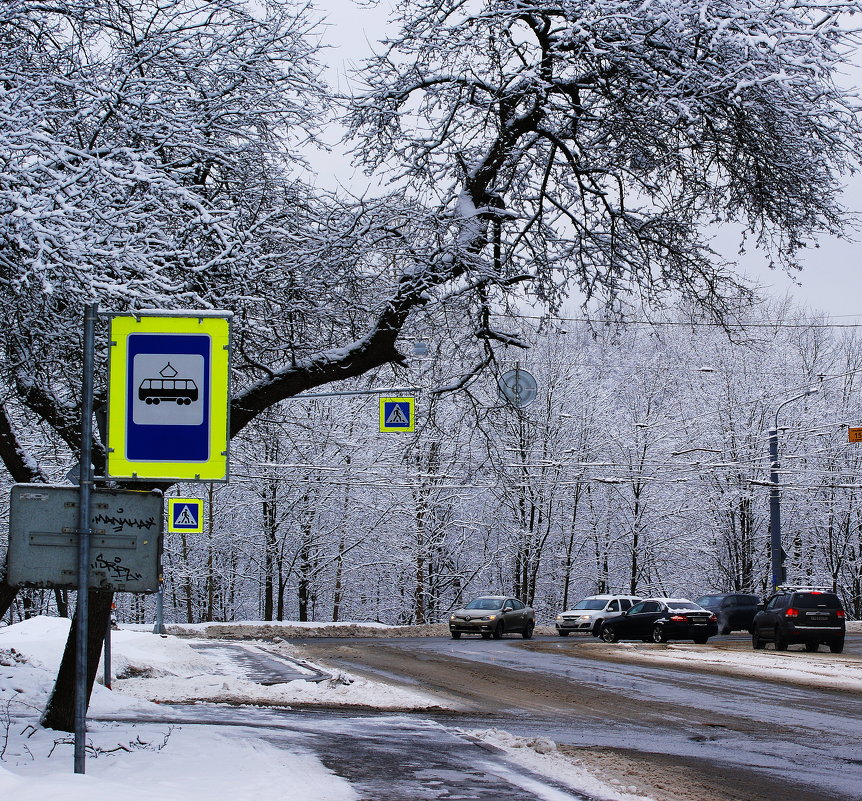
(713, 619)
(791, 612)
(679, 618)
(840, 613)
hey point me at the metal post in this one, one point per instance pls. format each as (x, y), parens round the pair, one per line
(777, 553)
(107, 656)
(775, 511)
(159, 628)
(85, 485)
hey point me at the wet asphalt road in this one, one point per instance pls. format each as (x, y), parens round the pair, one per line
(746, 738)
(731, 738)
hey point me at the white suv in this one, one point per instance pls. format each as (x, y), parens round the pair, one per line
(589, 614)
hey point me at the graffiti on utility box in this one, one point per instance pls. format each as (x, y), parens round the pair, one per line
(125, 538)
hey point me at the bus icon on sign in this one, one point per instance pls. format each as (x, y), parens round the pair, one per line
(168, 387)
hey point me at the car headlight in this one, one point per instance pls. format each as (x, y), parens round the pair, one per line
(489, 617)
(451, 617)
(559, 617)
(584, 617)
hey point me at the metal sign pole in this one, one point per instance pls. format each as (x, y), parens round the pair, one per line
(85, 485)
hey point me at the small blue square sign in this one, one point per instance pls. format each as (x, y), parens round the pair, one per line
(185, 515)
(396, 414)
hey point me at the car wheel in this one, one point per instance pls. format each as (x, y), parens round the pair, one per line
(528, 631)
(700, 640)
(486, 635)
(756, 642)
(498, 632)
(780, 642)
(658, 634)
(456, 635)
(608, 634)
(725, 629)
(837, 646)
(562, 633)
(597, 627)
(811, 647)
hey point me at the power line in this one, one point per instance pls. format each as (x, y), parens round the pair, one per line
(673, 323)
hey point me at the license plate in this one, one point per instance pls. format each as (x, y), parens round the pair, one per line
(820, 617)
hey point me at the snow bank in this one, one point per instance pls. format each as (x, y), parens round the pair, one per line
(255, 629)
(152, 668)
(540, 755)
(820, 669)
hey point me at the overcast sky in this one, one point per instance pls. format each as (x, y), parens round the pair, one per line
(831, 282)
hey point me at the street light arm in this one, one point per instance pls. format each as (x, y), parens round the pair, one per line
(810, 391)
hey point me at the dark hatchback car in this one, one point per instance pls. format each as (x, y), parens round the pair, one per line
(493, 616)
(660, 620)
(735, 611)
(809, 616)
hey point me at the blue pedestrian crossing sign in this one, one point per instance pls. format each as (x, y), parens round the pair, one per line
(185, 515)
(397, 414)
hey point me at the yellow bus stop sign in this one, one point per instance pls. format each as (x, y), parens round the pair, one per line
(168, 397)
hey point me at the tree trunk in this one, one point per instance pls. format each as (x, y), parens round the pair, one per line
(339, 590)
(62, 599)
(60, 712)
(7, 595)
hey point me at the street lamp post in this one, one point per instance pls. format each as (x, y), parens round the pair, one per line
(778, 573)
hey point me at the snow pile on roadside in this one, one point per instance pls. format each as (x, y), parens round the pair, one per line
(30, 654)
(541, 756)
(156, 668)
(343, 690)
(799, 667)
(269, 630)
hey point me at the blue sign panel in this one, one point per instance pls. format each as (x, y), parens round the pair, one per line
(167, 400)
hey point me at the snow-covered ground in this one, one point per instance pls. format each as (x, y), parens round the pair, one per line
(149, 762)
(160, 762)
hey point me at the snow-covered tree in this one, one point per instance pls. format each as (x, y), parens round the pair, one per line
(587, 142)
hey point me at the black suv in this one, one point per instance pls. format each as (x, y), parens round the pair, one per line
(808, 615)
(735, 611)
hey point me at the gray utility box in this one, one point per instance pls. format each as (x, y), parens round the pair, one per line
(125, 543)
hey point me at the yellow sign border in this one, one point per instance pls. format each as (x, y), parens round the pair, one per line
(172, 502)
(411, 403)
(215, 468)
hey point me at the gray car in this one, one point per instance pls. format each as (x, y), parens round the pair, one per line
(493, 616)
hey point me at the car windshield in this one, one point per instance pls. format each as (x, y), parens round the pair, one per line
(677, 605)
(588, 604)
(485, 603)
(709, 600)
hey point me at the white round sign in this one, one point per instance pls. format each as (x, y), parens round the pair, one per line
(518, 387)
